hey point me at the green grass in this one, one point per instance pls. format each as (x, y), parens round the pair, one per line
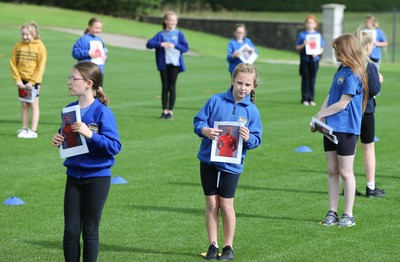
(159, 214)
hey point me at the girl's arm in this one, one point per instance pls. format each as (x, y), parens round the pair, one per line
(40, 66)
(154, 42)
(334, 108)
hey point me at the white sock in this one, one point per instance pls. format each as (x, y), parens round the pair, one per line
(371, 185)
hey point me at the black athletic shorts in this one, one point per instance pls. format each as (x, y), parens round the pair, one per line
(367, 129)
(216, 182)
(346, 144)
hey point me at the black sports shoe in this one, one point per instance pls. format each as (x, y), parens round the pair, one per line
(212, 253)
(227, 253)
(163, 115)
(169, 116)
(375, 192)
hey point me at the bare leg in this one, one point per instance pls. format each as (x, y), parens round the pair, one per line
(212, 208)
(333, 180)
(25, 115)
(35, 114)
(228, 219)
(369, 161)
(349, 181)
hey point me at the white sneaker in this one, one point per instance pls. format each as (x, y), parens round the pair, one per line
(22, 132)
(312, 103)
(30, 134)
(306, 103)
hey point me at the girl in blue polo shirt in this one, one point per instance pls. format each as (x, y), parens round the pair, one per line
(343, 109)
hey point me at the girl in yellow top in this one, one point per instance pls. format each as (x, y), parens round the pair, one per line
(27, 62)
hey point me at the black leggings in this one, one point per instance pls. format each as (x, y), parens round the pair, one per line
(83, 204)
(168, 81)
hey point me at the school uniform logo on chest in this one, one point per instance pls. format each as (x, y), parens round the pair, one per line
(340, 80)
(93, 127)
(243, 119)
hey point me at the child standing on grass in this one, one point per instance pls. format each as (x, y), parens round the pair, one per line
(239, 40)
(342, 110)
(90, 47)
(28, 62)
(368, 120)
(219, 180)
(378, 38)
(169, 44)
(88, 175)
(309, 63)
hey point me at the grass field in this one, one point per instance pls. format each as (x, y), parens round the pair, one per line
(159, 214)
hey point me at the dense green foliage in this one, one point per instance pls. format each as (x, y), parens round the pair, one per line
(134, 8)
(159, 214)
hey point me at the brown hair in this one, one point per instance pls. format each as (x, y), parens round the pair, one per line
(372, 18)
(251, 69)
(91, 22)
(313, 18)
(165, 17)
(32, 29)
(351, 53)
(91, 71)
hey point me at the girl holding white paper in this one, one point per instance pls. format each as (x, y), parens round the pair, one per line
(89, 174)
(219, 179)
(240, 47)
(28, 62)
(310, 45)
(169, 44)
(343, 109)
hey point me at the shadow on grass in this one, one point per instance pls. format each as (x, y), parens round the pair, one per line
(260, 188)
(107, 247)
(200, 212)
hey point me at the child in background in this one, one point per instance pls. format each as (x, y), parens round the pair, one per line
(378, 38)
(88, 175)
(368, 121)
(342, 110)
(28, 62)
(90, 47)
(169, 44)
(219, 180)
(309, 64)
(239, 40)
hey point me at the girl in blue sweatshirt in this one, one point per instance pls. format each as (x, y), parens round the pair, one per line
(219, 180)
(90, 47)
(88, 175)
(169, 44)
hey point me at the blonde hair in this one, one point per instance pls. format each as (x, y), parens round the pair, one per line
(165, 17)
(250, 69)
(351, 53)
(91, 71)
(32, 29)
(365, 40)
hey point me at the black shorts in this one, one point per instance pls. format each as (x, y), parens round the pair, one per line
(346, 144)
(367, 129)
(216, 182)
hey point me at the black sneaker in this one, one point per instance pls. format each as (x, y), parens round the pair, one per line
(331, 219)
(169, 116)
(370, 193)
(212, 253)
(163, 115)
(227, 253)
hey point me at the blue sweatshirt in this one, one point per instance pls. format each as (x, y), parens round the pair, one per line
(222, 107)
(233, 46)
(87, 42)
(180, 44)
(104, 144)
